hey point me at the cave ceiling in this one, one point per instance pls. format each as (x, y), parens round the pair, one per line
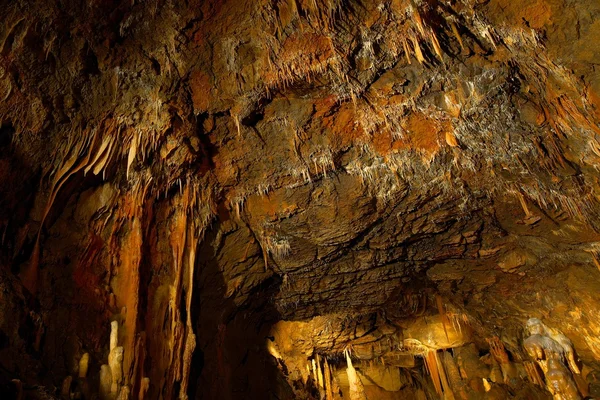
(199, 170)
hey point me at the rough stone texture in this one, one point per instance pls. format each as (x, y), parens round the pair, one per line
(226, 177)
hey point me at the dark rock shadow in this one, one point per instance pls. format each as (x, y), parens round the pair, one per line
(231, 360)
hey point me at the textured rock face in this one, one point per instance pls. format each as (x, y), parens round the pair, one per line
(255, 189)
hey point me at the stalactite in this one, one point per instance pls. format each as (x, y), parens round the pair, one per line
(456, 34)
(451, 139)
(306, 377)
(501, 356)
(406, 50)
(524, 205)
(265, 256)
(29, 275)
(432, 366)
(145, 385)
(99, 162)
(139, 361)
(417, 49)
(533, 373)
(320, 379)
(436, 44)
(497, 350)
(132, 153)
(442, 311)
(190, 337)
(187, 223)
(177, 241)
(486, 385)
(126, 287)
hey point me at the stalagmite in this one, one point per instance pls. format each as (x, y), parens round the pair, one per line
(105, 382)
(496, 374)
(320, 379)
(560, 383)
(83, 365)
(328, 381)
(357, 391)
(65, 391)
(335, 386)
(114, 335)
(189, 346)
(115, 361)
(554, 353)
(124, 393)
(453, 375)
(19, 385)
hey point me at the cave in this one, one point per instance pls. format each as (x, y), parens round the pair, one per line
(299, 199)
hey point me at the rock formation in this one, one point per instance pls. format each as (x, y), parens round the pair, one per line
(255, 199)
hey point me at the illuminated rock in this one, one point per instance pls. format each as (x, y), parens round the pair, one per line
(83, 365)
(115, 361)
(356, 389)
(433, 334)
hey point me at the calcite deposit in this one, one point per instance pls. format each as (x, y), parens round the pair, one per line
(299, 199)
